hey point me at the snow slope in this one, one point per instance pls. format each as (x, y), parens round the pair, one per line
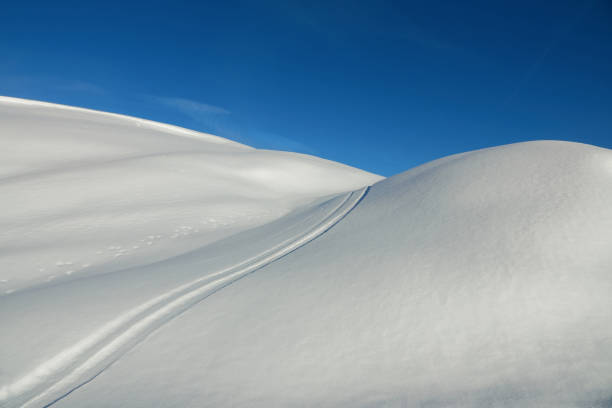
(479, 280)
(86, 192)
(108, 332)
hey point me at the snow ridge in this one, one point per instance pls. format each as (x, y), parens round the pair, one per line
(79, 364)
(177, 130)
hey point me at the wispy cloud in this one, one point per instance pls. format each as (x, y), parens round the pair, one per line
(217, 120)
(200, 116)
(193, 109)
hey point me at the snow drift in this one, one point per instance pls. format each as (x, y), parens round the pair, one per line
(478, 280)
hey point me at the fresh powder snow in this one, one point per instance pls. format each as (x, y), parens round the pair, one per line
(86, 192)
(205, 273)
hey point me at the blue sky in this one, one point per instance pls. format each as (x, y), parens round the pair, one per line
(379, 85)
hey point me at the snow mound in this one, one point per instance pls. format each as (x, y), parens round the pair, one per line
(86, 192)
(479, 280)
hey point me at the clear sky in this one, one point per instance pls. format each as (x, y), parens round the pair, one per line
(379, 85)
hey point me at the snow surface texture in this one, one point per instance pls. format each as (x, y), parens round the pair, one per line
(479, 280)
(86, 192)
(80, 363)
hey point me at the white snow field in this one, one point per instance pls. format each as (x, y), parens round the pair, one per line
(85, 192)
(482, 279)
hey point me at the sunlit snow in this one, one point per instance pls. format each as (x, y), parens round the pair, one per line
(145, 265)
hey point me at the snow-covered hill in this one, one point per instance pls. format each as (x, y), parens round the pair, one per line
(86, 192)
(479, 280)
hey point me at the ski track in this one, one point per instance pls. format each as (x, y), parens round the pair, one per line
(80, 363)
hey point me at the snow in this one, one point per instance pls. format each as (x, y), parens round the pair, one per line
(86, 192)
(111, 340)
(478, 280)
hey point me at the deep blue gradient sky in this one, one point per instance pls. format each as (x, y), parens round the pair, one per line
(380, 85)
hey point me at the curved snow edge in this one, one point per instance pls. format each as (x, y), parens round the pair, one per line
(177, 130)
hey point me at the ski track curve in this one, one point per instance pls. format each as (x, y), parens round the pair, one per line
(82, 362)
